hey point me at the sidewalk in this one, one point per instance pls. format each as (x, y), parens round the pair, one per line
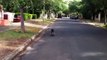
(2, 28)
(17, 25)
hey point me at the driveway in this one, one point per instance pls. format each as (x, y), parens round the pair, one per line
(73, 40)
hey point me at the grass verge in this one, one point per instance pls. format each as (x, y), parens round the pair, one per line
(41, 22)
(105, 26)
(11, 39)
(15, 34)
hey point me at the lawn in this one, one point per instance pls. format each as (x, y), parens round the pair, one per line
(41, 22)
(105, 26)
(15, 35)
(13, 38)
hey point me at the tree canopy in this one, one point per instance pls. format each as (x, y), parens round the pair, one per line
(34, 6)
(89, 8)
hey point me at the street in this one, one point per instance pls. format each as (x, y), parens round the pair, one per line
(73, 40)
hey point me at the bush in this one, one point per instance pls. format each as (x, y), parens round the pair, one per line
(26, 16)
(105, 26)
(16, 15)
(34, 16)
(30, 16)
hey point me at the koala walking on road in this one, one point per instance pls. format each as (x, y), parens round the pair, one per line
(52, 32)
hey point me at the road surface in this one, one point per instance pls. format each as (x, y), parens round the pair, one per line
(73, 40)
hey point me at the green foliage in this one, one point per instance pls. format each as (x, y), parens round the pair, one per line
(34, 16)
(59, 5)
(26, 16)
(73, 6)
(105, 26)
(30, 16)
(94, 6)
(34, 6)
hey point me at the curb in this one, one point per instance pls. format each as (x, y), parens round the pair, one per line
(19, 50)
(98, 25)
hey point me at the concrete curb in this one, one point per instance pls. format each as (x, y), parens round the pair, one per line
(19, 50)
(95, 24)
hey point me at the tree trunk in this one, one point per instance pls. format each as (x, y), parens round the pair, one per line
(49, 14)
(22, 20)
(99, 17)
(93, 16)
(0, 13)
(105, 18)
(1, 10)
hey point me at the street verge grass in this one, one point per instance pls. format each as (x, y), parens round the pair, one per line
(41, 21)
(15, 34)
(11, 39)
(98, 24)
(48, 21)
(105, 26)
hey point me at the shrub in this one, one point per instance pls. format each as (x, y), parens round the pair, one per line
(16, 15)
(30, 16)
(26, 16)
(34, 16)
(105, 26)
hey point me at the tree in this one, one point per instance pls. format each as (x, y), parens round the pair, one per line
(95, 7)
(89, 9)
(21, 5)
(73, 6)
(102, 6)
(34, 6)
(1, 9)
(59, 5)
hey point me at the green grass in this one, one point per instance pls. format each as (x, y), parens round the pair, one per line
(105, 26)
(41, 22)
(46, 22)
(15, 34)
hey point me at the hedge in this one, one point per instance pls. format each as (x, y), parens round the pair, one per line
(34, 16)
(27, 16)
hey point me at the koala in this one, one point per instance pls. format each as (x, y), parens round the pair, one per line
(52, 32)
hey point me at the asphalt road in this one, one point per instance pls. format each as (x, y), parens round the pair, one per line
(73, 40)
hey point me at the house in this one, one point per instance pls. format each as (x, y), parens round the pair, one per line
(6, 18)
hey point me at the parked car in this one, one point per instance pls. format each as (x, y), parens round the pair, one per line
(59, 16)
(73, 17)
